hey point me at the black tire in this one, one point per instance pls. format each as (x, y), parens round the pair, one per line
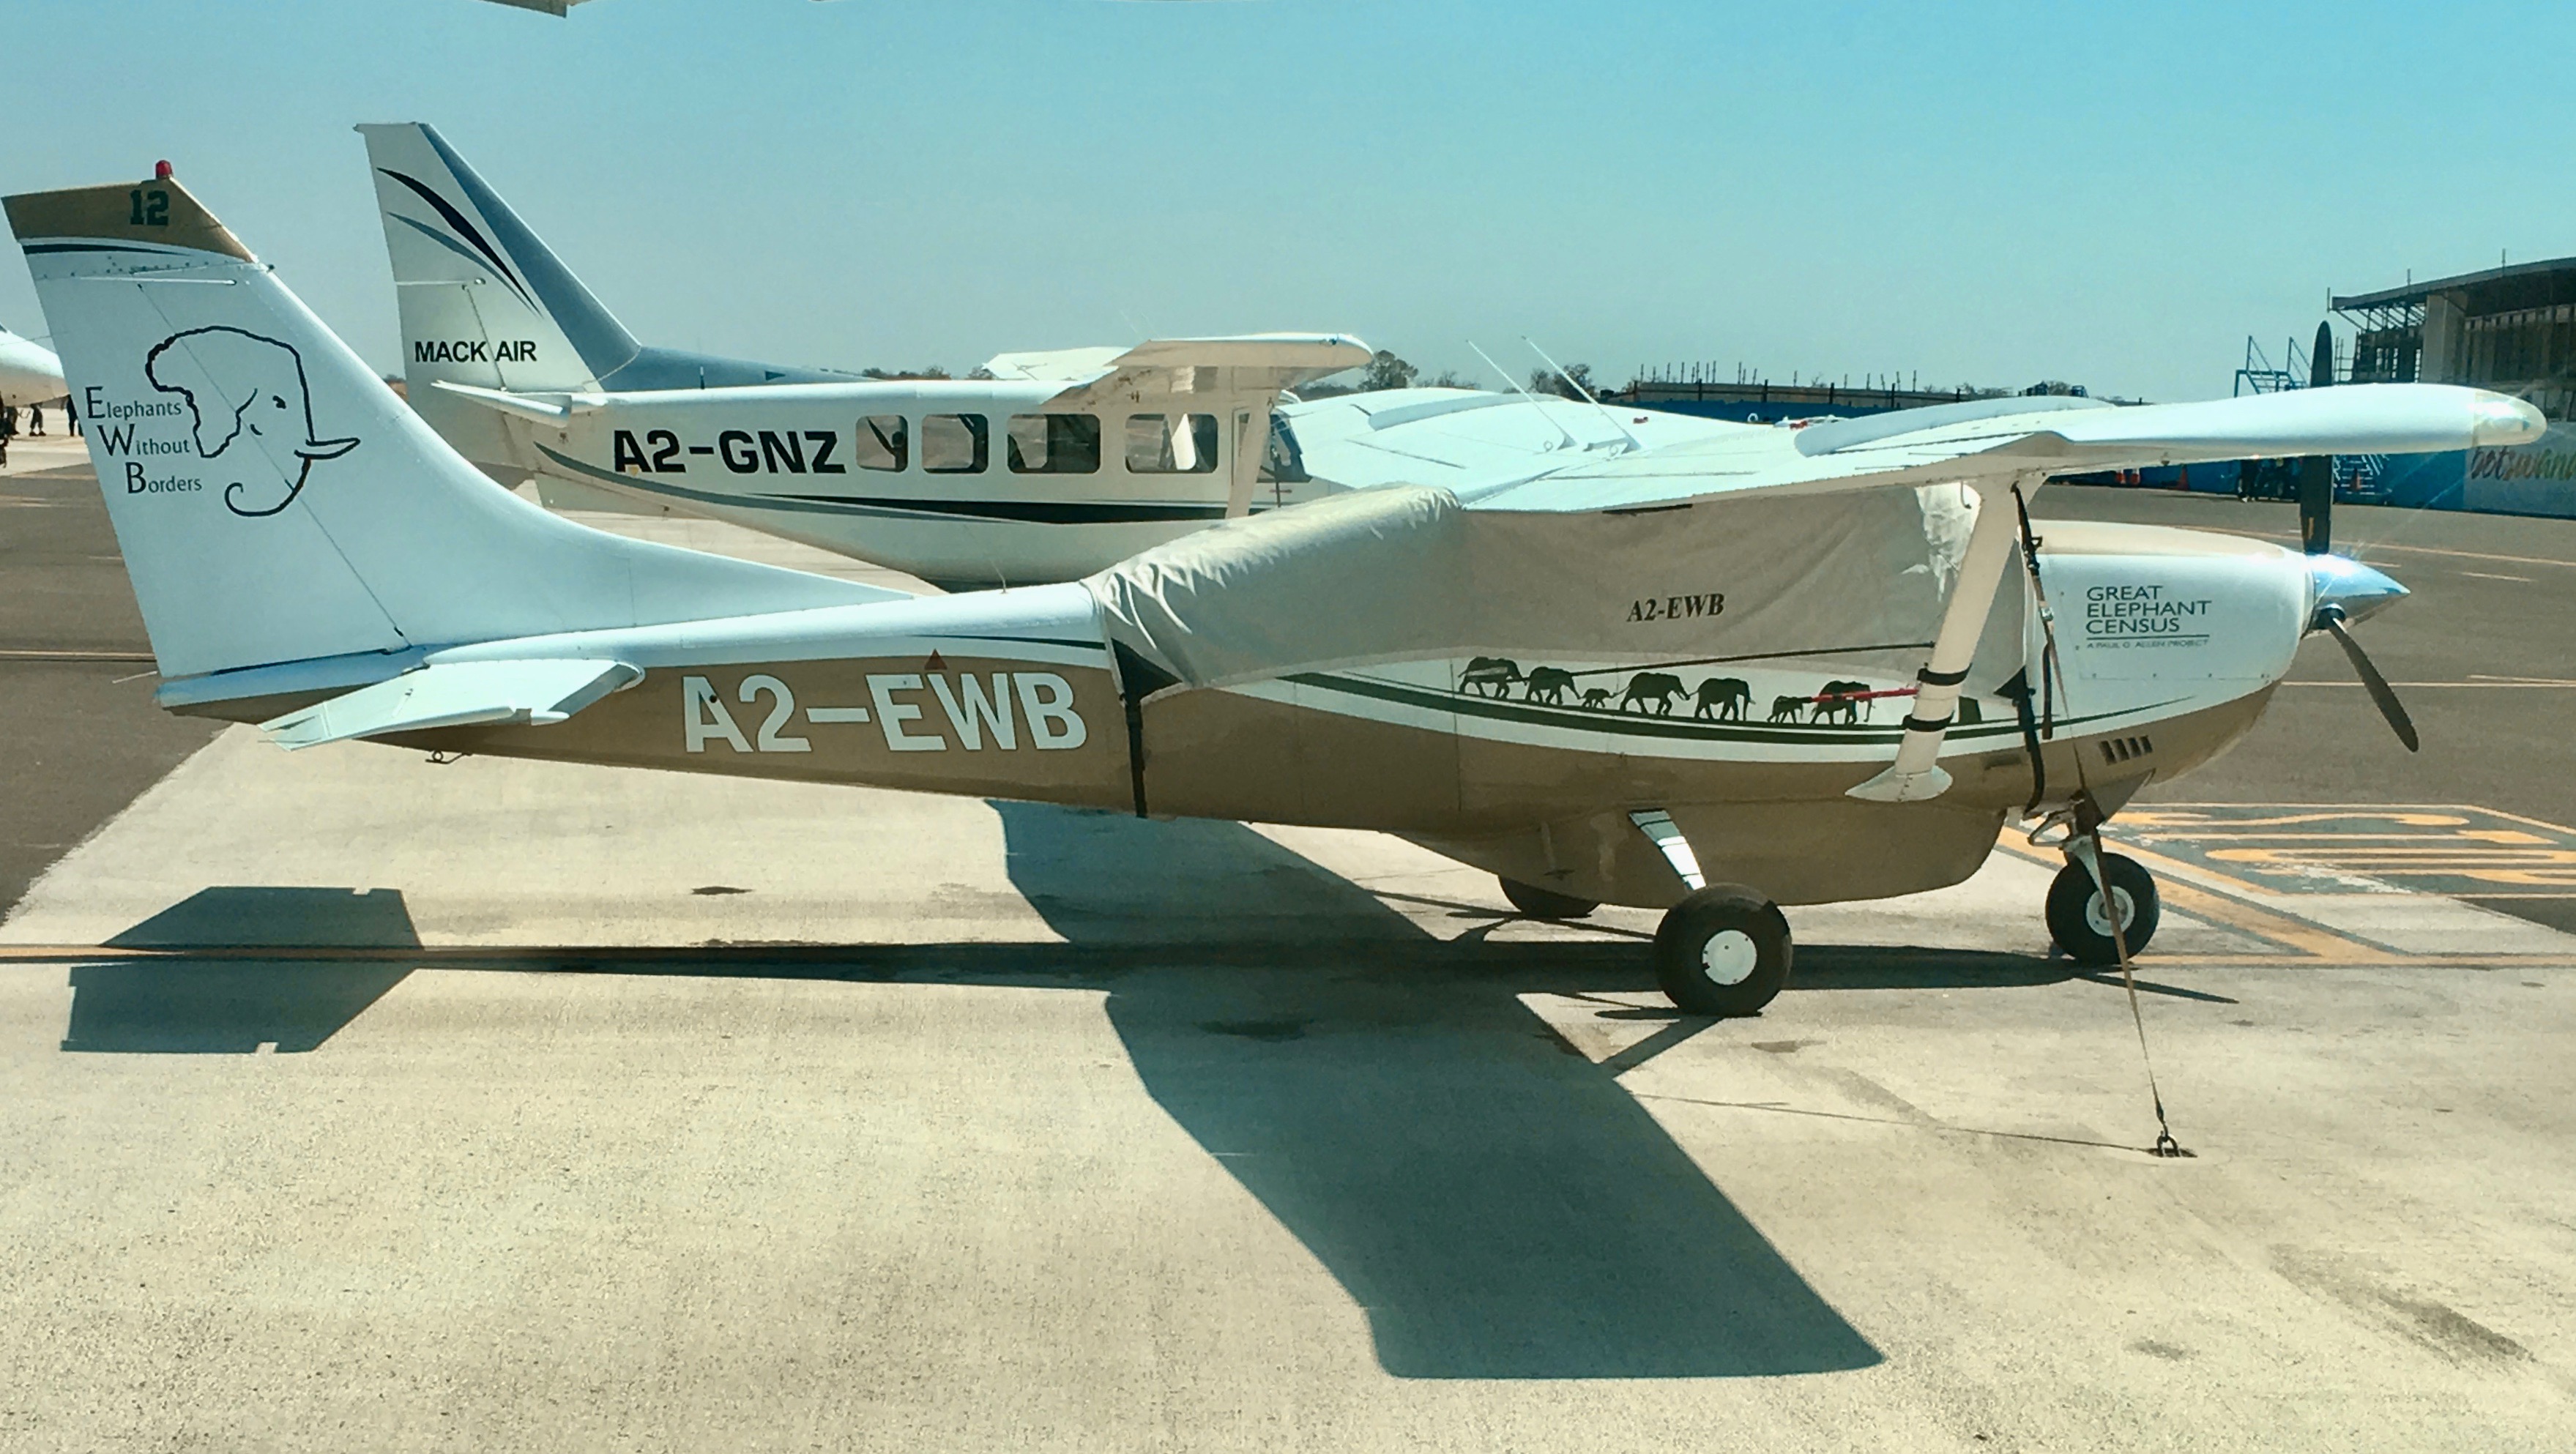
(1721, 931)
(1539, 903)
(2075, 917)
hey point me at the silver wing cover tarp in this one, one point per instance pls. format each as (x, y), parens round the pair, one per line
(1406, 573)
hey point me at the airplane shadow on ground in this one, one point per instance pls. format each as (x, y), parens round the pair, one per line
(229, 1006)
(1498, 1204)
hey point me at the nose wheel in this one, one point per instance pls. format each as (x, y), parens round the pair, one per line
(1723, 951)
(2080, 921)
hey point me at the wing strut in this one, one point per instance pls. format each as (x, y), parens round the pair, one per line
(1917, 773)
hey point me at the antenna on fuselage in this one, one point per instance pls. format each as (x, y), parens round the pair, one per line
(1562, 432)
(1586, 395)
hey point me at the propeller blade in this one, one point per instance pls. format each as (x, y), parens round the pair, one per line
(2380, 692)
(2316, 472)
(2316, 504)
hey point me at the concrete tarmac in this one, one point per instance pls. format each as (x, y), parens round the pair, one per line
(76, 715)
(360, 1102)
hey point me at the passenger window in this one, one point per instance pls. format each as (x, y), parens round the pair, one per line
(882, 444)
(1171, 444)
(955, 444)
(1054, 444)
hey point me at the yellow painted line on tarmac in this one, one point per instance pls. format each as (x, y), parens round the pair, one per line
(2534, 822)
(2556, 866)
(2317, 943)
(2194, 816)
(2508, 856)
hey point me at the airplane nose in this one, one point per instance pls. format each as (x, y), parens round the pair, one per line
(2351, 587)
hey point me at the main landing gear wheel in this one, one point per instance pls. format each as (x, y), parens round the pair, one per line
(1539, 903)
(2077, 921)
(1723, 951)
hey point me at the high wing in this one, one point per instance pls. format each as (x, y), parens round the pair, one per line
(1250, 363)
(1503, 452)
(1992, 439)
(1456, 438)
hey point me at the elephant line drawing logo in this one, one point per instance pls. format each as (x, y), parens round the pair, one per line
(253, 384)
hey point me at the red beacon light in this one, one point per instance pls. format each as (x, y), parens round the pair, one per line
(161, 171)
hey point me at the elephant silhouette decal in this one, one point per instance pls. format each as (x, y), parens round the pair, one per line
(1653, 689)
(1655, 693)
(1723, 699)
(1489, 676)
(1547, 684)
(1841, 701)
(245, 383)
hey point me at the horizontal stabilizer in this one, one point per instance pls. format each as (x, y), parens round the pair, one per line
(456, 694)
(520, 406)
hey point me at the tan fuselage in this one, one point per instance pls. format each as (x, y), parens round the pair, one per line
(1060, 733)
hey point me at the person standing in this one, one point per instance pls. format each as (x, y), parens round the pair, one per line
(35, 419)
(8, 430)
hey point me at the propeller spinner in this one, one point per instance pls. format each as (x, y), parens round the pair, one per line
(2346, 590)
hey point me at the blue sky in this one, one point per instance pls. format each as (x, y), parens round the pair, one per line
(2115, 195)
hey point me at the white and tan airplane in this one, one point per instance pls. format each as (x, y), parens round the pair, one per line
(1650, 674)
(29, 372)
(1057, 465)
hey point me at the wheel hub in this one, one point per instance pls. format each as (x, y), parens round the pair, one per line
(1729, 957)
(2099, 922)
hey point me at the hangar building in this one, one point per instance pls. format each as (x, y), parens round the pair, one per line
(2510, 329)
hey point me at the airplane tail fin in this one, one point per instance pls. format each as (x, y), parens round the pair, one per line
(275, 502)
(483, 301)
